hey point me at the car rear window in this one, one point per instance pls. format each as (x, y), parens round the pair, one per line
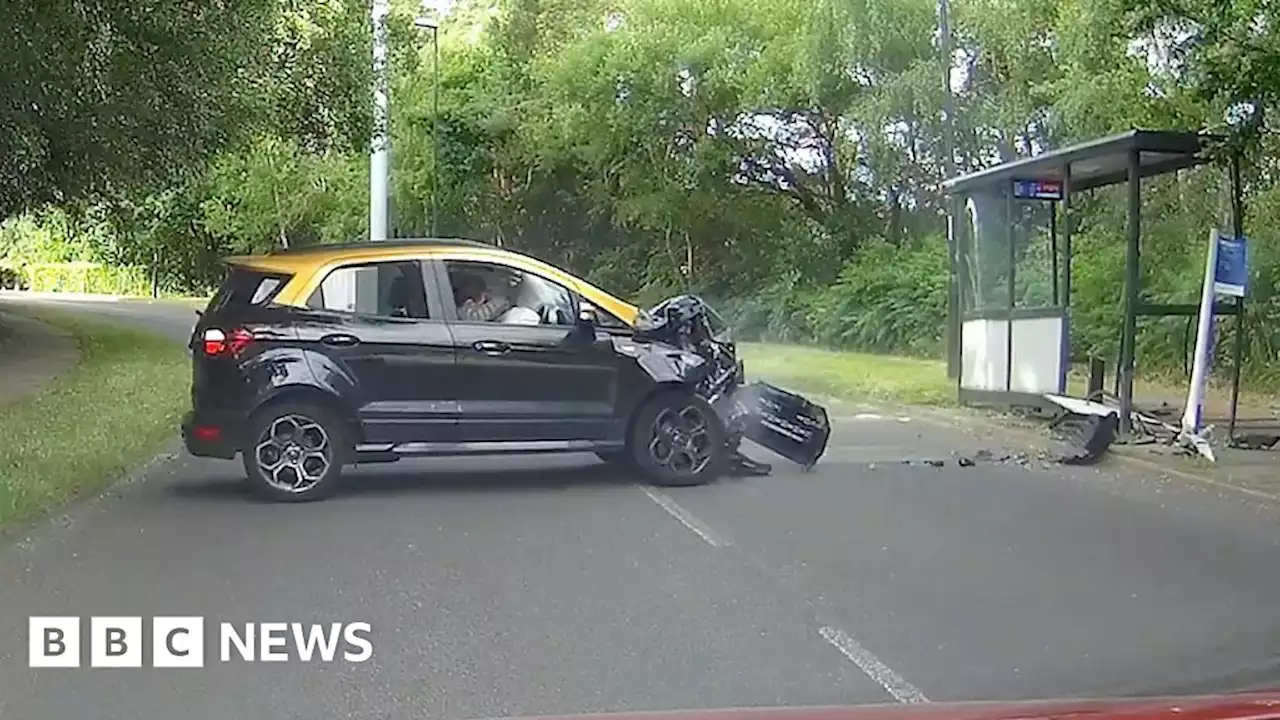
(243, 287)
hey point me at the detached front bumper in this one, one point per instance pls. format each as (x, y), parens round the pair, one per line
(208, 435)
(782, 422)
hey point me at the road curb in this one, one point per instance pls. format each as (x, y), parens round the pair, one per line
(80, 297)
(1125, 456)
(25, 534)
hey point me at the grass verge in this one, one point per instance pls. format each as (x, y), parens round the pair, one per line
(92, 424)
(856, 376)
(916, 381)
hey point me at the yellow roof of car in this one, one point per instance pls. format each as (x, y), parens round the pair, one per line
(311, 264)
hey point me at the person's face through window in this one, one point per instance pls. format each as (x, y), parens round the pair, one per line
(471, 289)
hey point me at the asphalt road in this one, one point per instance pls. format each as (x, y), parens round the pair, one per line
(550, 585)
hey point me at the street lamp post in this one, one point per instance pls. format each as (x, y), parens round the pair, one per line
(948, 171)
(424, 22)
(381, 141)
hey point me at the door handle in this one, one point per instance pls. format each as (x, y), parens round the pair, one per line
(340, 340)
(491, 347)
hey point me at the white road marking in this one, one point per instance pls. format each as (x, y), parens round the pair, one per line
(869, 417)
(885, 677)
(686, 518)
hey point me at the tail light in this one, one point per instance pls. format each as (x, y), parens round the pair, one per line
(217, 343)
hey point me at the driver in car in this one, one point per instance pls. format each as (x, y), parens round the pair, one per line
(478, 304)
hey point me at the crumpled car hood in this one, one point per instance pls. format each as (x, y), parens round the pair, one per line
(683, 339)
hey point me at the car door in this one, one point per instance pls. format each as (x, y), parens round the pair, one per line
(380, 341)
(548, 385)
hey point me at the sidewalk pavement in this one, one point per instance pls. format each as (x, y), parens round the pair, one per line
(1255, 473)
(32, 354)
(1252, 472)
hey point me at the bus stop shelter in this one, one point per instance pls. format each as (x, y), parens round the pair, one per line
(1009, 340)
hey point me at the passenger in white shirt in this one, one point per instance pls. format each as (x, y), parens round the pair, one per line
(478, 304)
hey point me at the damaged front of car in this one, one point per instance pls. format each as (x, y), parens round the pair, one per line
(683, 340)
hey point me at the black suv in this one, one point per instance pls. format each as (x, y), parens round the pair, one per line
(308, 360)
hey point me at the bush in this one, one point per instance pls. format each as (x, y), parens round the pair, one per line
(87, 278)
(891, 300)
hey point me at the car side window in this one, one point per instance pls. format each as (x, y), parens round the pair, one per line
(606, 319)
(387, 289)
(490, 292)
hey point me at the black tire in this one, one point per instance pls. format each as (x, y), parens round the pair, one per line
(698, 455)
(300, 421)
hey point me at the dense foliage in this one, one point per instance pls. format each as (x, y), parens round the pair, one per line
(781, 156)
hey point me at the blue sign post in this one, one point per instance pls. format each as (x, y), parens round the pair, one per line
(1226, 272)
(1231, 266)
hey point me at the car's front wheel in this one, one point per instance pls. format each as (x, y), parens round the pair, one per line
(294, 453)
(678, 439)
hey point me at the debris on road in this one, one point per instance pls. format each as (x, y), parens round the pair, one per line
(742, 466)
(1091, 427)
(1148, 427)
(1094, 437)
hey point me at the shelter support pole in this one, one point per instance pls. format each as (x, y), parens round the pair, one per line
(1065, 224)
(1011, 236)
(1066, 242)
(1053, 253)
(1129, 332)
(963, 241)
(1237, 229)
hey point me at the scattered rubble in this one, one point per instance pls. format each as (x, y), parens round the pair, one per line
(1097, 424)
(742, 466)
(1149, 427)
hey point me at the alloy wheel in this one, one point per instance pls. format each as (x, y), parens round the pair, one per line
(294, 453)
(680, 440)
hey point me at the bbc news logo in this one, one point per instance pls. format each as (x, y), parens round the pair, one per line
(179, 642)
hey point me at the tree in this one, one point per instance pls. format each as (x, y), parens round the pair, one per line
(109, 93)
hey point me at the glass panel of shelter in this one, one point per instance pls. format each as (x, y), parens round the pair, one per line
(1012, 288)
(1009, 249)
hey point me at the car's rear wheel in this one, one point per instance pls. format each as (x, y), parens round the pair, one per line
(295, 452)
(677, 440)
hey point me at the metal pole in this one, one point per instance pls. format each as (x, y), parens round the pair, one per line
(435, 131)
(1237, 229)
(1067, 216)
(380, 144)
(1067, 338)
(1128, 335)
(1010, 204)
(423, 21)
(1053, 251)
(948, 171)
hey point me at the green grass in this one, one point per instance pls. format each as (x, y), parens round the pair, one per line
(854, 376)
(89, 426)
(914, 381)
